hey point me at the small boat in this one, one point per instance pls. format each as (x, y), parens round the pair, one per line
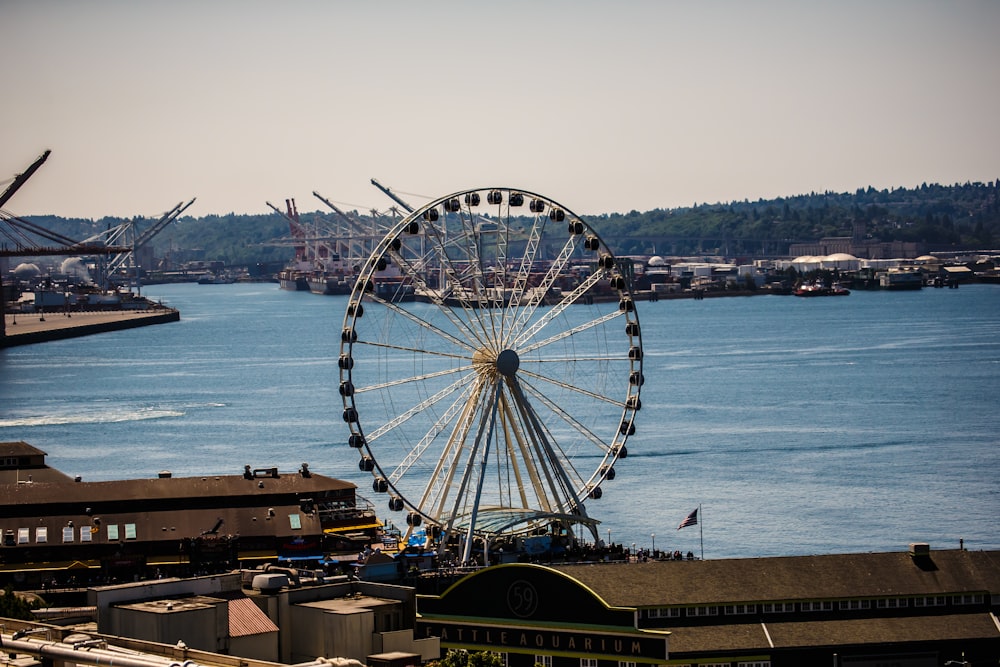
(212, 279)
(819, 289)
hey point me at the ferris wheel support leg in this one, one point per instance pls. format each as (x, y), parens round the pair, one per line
(482, 475)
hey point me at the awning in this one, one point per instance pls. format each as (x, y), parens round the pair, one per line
(50, 567)
(168, 560)
(347, 529)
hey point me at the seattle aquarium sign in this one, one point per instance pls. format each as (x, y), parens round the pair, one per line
(635, 647)
(525, 608)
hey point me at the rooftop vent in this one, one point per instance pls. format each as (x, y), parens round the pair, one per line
(165, 474)
(920, 549)
(270, 583)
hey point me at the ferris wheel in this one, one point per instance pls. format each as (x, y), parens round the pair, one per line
(490, 367)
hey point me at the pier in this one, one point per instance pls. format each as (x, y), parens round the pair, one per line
(28, 328)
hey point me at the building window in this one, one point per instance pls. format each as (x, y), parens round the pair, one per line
(67, 533)
(754, 663)
(295, 521)
(826, 605)
(85, 534)
(113, 532)
(129, 531)
(622, 663)
(23, 535)
(673, 612)
(588, 662)
(543, 660)
(854, 605)
(41, 534)
(968, 599)
(891, 603)
(703, 611)
(736, 609)
(777, 607)
(931, 601)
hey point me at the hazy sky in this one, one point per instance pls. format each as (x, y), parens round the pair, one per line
(602, 106)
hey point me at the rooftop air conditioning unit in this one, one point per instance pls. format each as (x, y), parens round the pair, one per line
(270, 583)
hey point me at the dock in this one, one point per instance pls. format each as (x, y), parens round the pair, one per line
(26, 329)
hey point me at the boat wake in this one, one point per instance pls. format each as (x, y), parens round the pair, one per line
(98, 417)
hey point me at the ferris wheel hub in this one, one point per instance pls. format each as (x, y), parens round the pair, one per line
(508, 363)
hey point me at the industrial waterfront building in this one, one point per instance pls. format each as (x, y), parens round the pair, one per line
(56, 527)
(916, 607)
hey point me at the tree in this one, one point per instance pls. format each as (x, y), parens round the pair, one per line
(463, 658)
(13, 605)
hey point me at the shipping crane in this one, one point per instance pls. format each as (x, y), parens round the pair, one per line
(357, 242)
(127, 232)
(23, 238)
(22, 178)
(392, 196)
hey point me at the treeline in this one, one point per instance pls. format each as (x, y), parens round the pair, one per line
(943, 217)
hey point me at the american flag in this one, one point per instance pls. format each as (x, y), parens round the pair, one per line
(690, 520)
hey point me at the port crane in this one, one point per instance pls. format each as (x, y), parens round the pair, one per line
(23, 177)
(23, 238)
(125, 235)
(354, 241)
(392, 195)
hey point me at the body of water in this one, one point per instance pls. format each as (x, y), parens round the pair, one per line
(799, 426)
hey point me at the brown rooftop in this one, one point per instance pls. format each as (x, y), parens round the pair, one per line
(837, 576)
(19, 448)
(166, 488)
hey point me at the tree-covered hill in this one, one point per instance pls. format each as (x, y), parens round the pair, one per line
(956, 217)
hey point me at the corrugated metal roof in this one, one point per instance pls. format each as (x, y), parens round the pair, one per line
(246, 618)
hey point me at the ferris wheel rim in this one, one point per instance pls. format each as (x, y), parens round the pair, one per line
(361, 293)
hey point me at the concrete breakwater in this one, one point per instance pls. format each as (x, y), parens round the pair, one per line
(25, 329)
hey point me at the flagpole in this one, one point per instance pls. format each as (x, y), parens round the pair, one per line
(701, 530)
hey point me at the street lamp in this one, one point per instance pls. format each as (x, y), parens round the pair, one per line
(609, 537)
(653, 537)
(633, 549)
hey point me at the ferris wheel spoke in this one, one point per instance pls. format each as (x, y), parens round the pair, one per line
(460, 404)
(524, 272)
(423, 323)
(556, 469)
(483, 445)
(574, 388)
(538, 294)
(556, 310)
(405, 348)
(572, 421)
(562, 335)
(435, 296)
(518, 441)
(574, 360)
(453, 273)
(410, 380)
(437, 491)
(422, 405)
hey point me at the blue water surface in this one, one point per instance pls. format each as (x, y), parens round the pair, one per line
(798, 426)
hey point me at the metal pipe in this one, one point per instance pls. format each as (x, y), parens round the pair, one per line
(86, 656)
